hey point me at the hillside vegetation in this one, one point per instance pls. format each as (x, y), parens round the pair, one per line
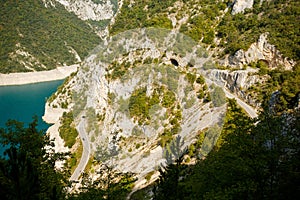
(207, 19)
(252, 162)
(279, 18)
(142, 14)
(50, 35)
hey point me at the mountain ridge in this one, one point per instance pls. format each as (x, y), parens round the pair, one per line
(42, 37)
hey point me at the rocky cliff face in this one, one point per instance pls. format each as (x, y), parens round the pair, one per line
(234, 80)
(87, 9)
(135, 102)
(261, 50)
(238, 82)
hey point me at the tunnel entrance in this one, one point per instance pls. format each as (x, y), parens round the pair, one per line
(174, 62)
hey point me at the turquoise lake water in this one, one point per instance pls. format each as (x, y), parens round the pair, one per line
(23, 102)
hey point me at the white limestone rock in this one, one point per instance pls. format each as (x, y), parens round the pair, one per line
(240, 5)
(235, 80)
(109, 98)
(261, 50)
(86, 9)
(238, 82)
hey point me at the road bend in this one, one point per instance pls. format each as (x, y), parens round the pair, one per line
(86, 150)
(249, 110)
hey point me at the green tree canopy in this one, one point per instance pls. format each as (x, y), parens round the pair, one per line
(252, 160)
(28, 169)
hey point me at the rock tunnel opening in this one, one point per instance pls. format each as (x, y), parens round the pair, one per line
(174, 62)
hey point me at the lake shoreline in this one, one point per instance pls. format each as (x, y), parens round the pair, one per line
(37, 77)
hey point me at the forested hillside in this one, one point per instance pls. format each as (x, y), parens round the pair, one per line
(209, 19)
(253, 160)
(279, 18)
(34, 37)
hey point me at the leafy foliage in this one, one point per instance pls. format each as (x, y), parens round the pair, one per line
(27, 171)
(118, 70)
(218, 97)
(253, 160)
(138, 105)
(167, 186)
(67, 131)
(111, 185)
(168, 183)
(276, 17)
(201, 26)
(286, 83)
(142, 13)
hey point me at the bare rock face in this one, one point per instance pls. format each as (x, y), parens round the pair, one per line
(261, 50)
(240, 5)
(48, 3)
(86, 9)
(238, 81)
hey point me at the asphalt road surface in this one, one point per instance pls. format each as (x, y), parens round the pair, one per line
(251, 111)
(86, 150)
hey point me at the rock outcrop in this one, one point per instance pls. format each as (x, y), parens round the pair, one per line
(86, 9)
(238, 81)
(261, 50)
(235, 80)
(240, 5)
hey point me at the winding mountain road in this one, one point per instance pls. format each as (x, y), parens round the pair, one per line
(251, 111)
(86, 143)
(86, 150)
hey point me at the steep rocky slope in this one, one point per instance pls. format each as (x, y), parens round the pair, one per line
(97, 14)
(261, 50)
(136, 102)
(141, 89)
